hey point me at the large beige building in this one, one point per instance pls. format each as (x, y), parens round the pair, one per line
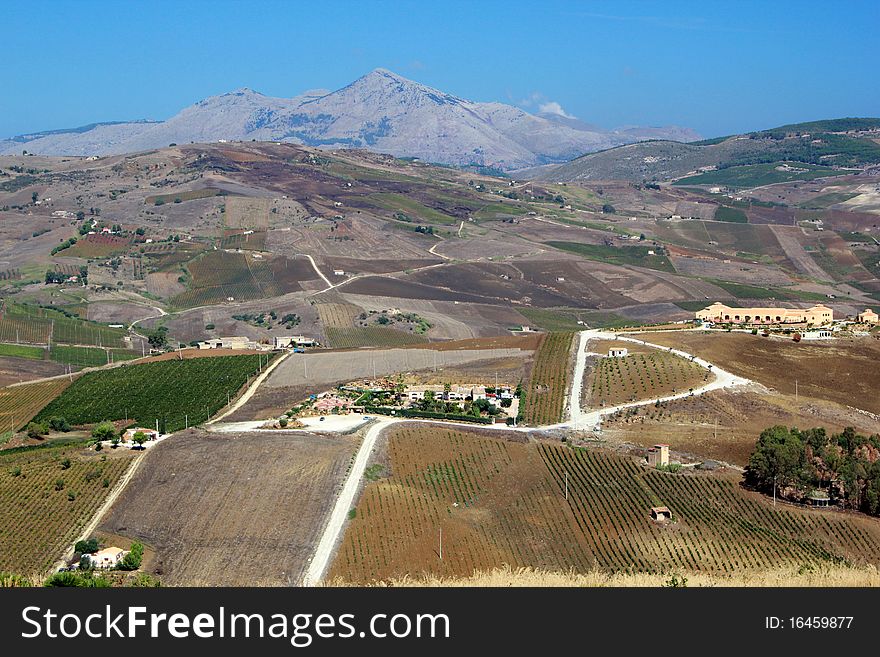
(868, 317)
(818, 315)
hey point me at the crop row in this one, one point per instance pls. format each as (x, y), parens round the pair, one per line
(548, 386)
(172, 393)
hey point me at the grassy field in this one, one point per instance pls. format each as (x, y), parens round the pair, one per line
(89, 356)
(174, 392)
(625, 255)
(18, 404)
(247, 496)
(636, 377)
(400, 203)
(179, 197)
(734, 215)
(47, 495)
(501, 502)
(546, 391)
(756, 175)
(22, 351)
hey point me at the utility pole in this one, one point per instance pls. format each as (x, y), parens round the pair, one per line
(716, 429)
(774, 490)
(441, 544)
(186, 421)
(566, 485)
(795, 391)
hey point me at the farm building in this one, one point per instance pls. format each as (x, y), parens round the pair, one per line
(868, 317)
(289, 341)
(821, 334)
(658, 455)
(619, 352)
(818, 315)
(106, 558)
(661, 513)
(236, 342)
(819, 498)
(128, 436)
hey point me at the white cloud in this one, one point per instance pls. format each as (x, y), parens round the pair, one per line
(552, 107)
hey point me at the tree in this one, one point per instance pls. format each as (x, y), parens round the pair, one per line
(34, 197)
(59, 424)
(104, 431)
(87, 546)
(158, 338)
(139, 438)
(132, 560)
(777, 458)
(35, 430)
(607, 208)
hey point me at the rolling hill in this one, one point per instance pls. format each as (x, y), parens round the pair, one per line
(838, 143)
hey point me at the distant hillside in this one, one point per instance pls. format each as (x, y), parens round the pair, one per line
(834, 143)
(380, 111)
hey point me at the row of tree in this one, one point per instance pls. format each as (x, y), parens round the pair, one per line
(796, 464)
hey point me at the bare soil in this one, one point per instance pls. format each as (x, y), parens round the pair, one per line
(232, 509)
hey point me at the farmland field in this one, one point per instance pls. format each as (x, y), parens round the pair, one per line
(613, 381)
(172, 392)
(502, 502)
(247, 213)
(339, 319)
(841, 371)
(190, 195)
(97, 246)
(22, 351)
(89, 356)
(624, 255)
(23, 323)
(756, 175)
(18, 404)
(545, 394)
(219, 275)
(735, 215)
(252, 241)
(44, 505)
(255, 505)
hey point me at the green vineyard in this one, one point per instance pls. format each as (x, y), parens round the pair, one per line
(173, 393)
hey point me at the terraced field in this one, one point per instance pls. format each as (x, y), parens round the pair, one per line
(502, 502)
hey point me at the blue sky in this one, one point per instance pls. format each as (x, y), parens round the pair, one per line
(718, 67)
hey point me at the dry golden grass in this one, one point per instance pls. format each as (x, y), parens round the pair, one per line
(832, 576)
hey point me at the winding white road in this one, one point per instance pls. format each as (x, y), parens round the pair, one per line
(577, 419)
